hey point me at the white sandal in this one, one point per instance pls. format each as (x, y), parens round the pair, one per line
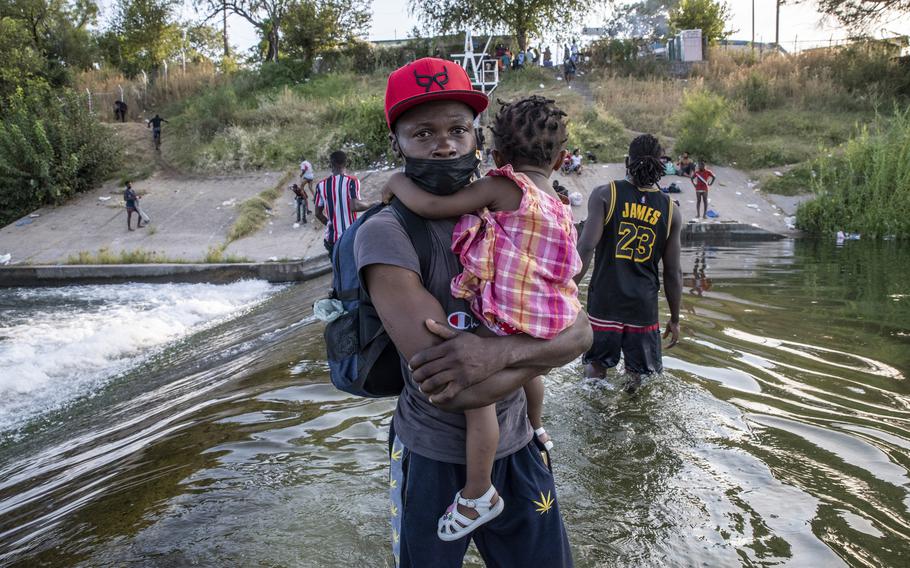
(453, 525)
(548, 445)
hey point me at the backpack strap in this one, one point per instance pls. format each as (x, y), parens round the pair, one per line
(419, 233)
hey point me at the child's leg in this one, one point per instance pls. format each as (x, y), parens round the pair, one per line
(534, 394)
(482, 438)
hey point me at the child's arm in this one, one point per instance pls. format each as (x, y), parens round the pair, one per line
(486, 192)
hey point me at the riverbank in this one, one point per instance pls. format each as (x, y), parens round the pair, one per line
(193, 215)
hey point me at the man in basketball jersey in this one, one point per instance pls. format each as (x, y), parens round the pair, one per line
(632, 226)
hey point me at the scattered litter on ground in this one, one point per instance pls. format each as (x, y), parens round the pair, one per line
(229, 203)
(296, 225)
(690, 201)
(752, 205)
(541, 86)
(739, 193)
(779, 174)
(35, 215)
(5, 258)
(777, 214)
(104, 198)
(273, 259)
(791, 222)
(712, 214)
(576, 198)
(22, 222)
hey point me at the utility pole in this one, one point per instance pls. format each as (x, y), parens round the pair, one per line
(753, 26)
(777, 26)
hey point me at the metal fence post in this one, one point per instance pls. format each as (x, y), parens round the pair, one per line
(89, 93)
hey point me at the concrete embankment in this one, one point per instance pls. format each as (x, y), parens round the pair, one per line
(67, 275)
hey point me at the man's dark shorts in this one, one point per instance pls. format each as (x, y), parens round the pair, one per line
(529, 532)
(640, 346)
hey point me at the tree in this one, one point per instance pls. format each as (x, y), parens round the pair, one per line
(709, 16)
(521, 18)
(645, 19)
(860, 14)
(318, 26)
(143, 34)
(267, 16)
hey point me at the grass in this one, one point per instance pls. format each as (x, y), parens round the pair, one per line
(137, 256)
(866, 187)
(254, 212)
(104, 255)
(795, 181)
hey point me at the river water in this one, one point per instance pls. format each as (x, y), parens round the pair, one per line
(176, 425)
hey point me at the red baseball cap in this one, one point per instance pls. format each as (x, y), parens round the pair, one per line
(429, 79)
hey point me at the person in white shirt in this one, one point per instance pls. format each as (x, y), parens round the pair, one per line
(576, 161)
(306, 176)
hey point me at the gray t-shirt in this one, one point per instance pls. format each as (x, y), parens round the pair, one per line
(424, 428)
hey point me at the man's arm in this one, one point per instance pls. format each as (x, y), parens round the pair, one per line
(404, 306)
(464, 361)
(673, 276)
(593, 230)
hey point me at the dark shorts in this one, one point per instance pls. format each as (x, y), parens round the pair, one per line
(529, 532)
(328, 247)
(639, 345)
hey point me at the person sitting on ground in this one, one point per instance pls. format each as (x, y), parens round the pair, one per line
(306, 175)
(515, 234)
(301, 200)
(131, 199)
(685, 166)
(572, 163)
(633, 227)
(669, 166)
(337, 201)
(701, 179)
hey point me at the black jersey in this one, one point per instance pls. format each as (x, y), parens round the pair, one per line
(626, 279)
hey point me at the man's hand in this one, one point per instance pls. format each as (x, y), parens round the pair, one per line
(462, 360)
(672, 330)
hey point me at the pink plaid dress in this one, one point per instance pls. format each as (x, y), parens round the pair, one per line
(519, 265)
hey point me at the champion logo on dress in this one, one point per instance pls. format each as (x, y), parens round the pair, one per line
(462, 321)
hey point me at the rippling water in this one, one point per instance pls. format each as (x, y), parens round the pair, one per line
(779, 434)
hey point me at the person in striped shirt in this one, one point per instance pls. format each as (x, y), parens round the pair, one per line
(337, 201)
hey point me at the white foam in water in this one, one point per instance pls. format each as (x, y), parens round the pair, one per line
(92, 333)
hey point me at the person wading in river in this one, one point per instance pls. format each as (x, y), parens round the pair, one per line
(430, 108)
(633, 226)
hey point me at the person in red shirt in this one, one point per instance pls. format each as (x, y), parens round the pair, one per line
(702, 178)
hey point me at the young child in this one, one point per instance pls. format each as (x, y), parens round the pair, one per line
(516, 242)
(701, 179)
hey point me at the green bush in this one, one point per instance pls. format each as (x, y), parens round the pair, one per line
(206, 115)
(704, 125)
(600, 133)
(794, 182)
(51, 148)
(865, 189)
(360, 130)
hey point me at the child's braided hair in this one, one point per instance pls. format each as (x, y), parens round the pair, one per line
(531, 131)
(644, 165)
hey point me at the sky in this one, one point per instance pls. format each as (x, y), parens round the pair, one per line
(801, 25)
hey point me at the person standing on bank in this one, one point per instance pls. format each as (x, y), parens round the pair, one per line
(633, 227)
(131, 199)
(430, 107)
(337, 201)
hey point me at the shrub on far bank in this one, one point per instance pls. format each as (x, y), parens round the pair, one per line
(704, 125)
(51, 148)
(866, 189)
(599, 133)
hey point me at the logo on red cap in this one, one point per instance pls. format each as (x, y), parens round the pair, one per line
(428, 80)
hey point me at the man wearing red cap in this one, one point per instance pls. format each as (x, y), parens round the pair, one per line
(430, 108)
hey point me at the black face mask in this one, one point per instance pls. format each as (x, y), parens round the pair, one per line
(441, 177)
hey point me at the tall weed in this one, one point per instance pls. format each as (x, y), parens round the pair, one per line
(704, 125)
(866, 188)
